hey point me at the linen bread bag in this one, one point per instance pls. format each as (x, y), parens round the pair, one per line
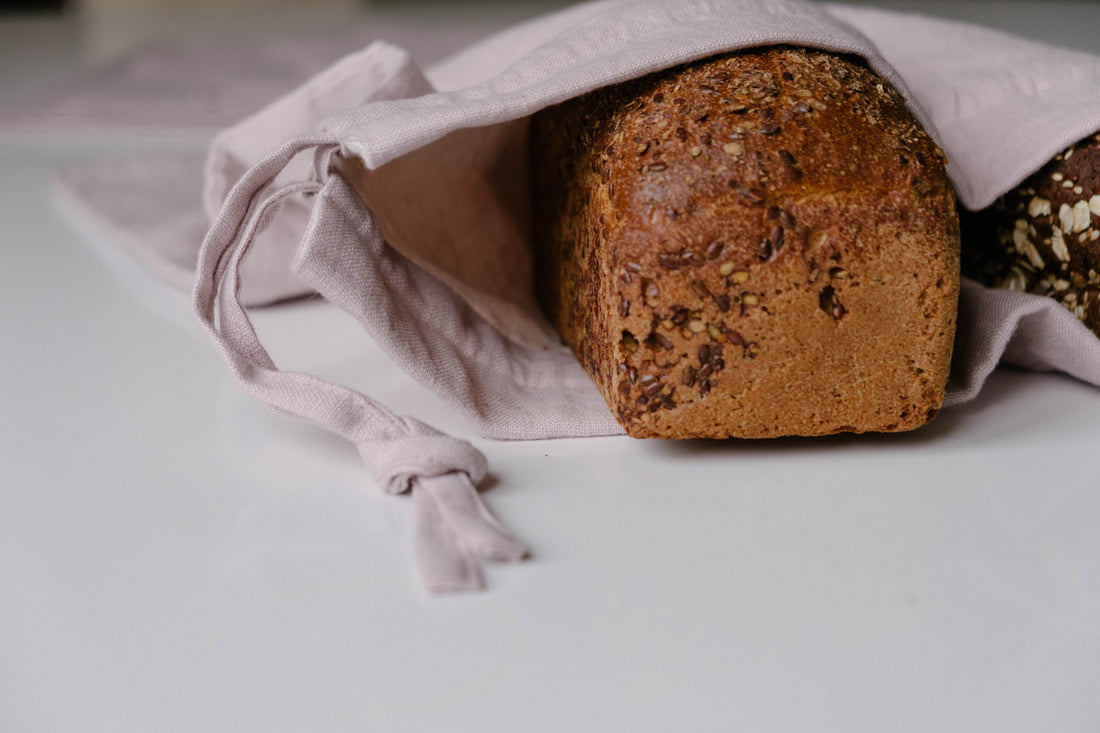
(412, 205)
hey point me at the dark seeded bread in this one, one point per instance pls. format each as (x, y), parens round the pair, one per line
(1043, 236)
(756, 245)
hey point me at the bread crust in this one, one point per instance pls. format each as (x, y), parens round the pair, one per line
(756, 245)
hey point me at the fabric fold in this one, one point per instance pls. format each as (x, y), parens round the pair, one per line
(454, 528)
(1018, 329)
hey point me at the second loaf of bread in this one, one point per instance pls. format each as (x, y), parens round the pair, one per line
(755, 245)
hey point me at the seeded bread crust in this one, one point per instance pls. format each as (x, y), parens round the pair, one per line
(756, 245)
(1043, 236)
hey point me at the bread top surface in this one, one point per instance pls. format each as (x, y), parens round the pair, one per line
(764, 202)
(781, 121)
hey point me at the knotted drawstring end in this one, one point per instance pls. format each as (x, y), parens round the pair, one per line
(455, 531)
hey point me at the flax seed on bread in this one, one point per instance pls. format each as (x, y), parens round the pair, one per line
(755, 245)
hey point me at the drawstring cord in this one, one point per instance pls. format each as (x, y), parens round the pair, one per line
(454, 529)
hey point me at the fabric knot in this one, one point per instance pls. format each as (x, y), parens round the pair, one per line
(423, 452)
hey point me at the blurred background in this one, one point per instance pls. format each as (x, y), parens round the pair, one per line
(71, 65)
(39, 37)
(42, 39)
(46, 41)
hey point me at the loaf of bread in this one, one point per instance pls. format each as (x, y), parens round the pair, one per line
(755, 245)
(1043, 236)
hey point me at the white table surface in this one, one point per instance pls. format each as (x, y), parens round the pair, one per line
(173, 557)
